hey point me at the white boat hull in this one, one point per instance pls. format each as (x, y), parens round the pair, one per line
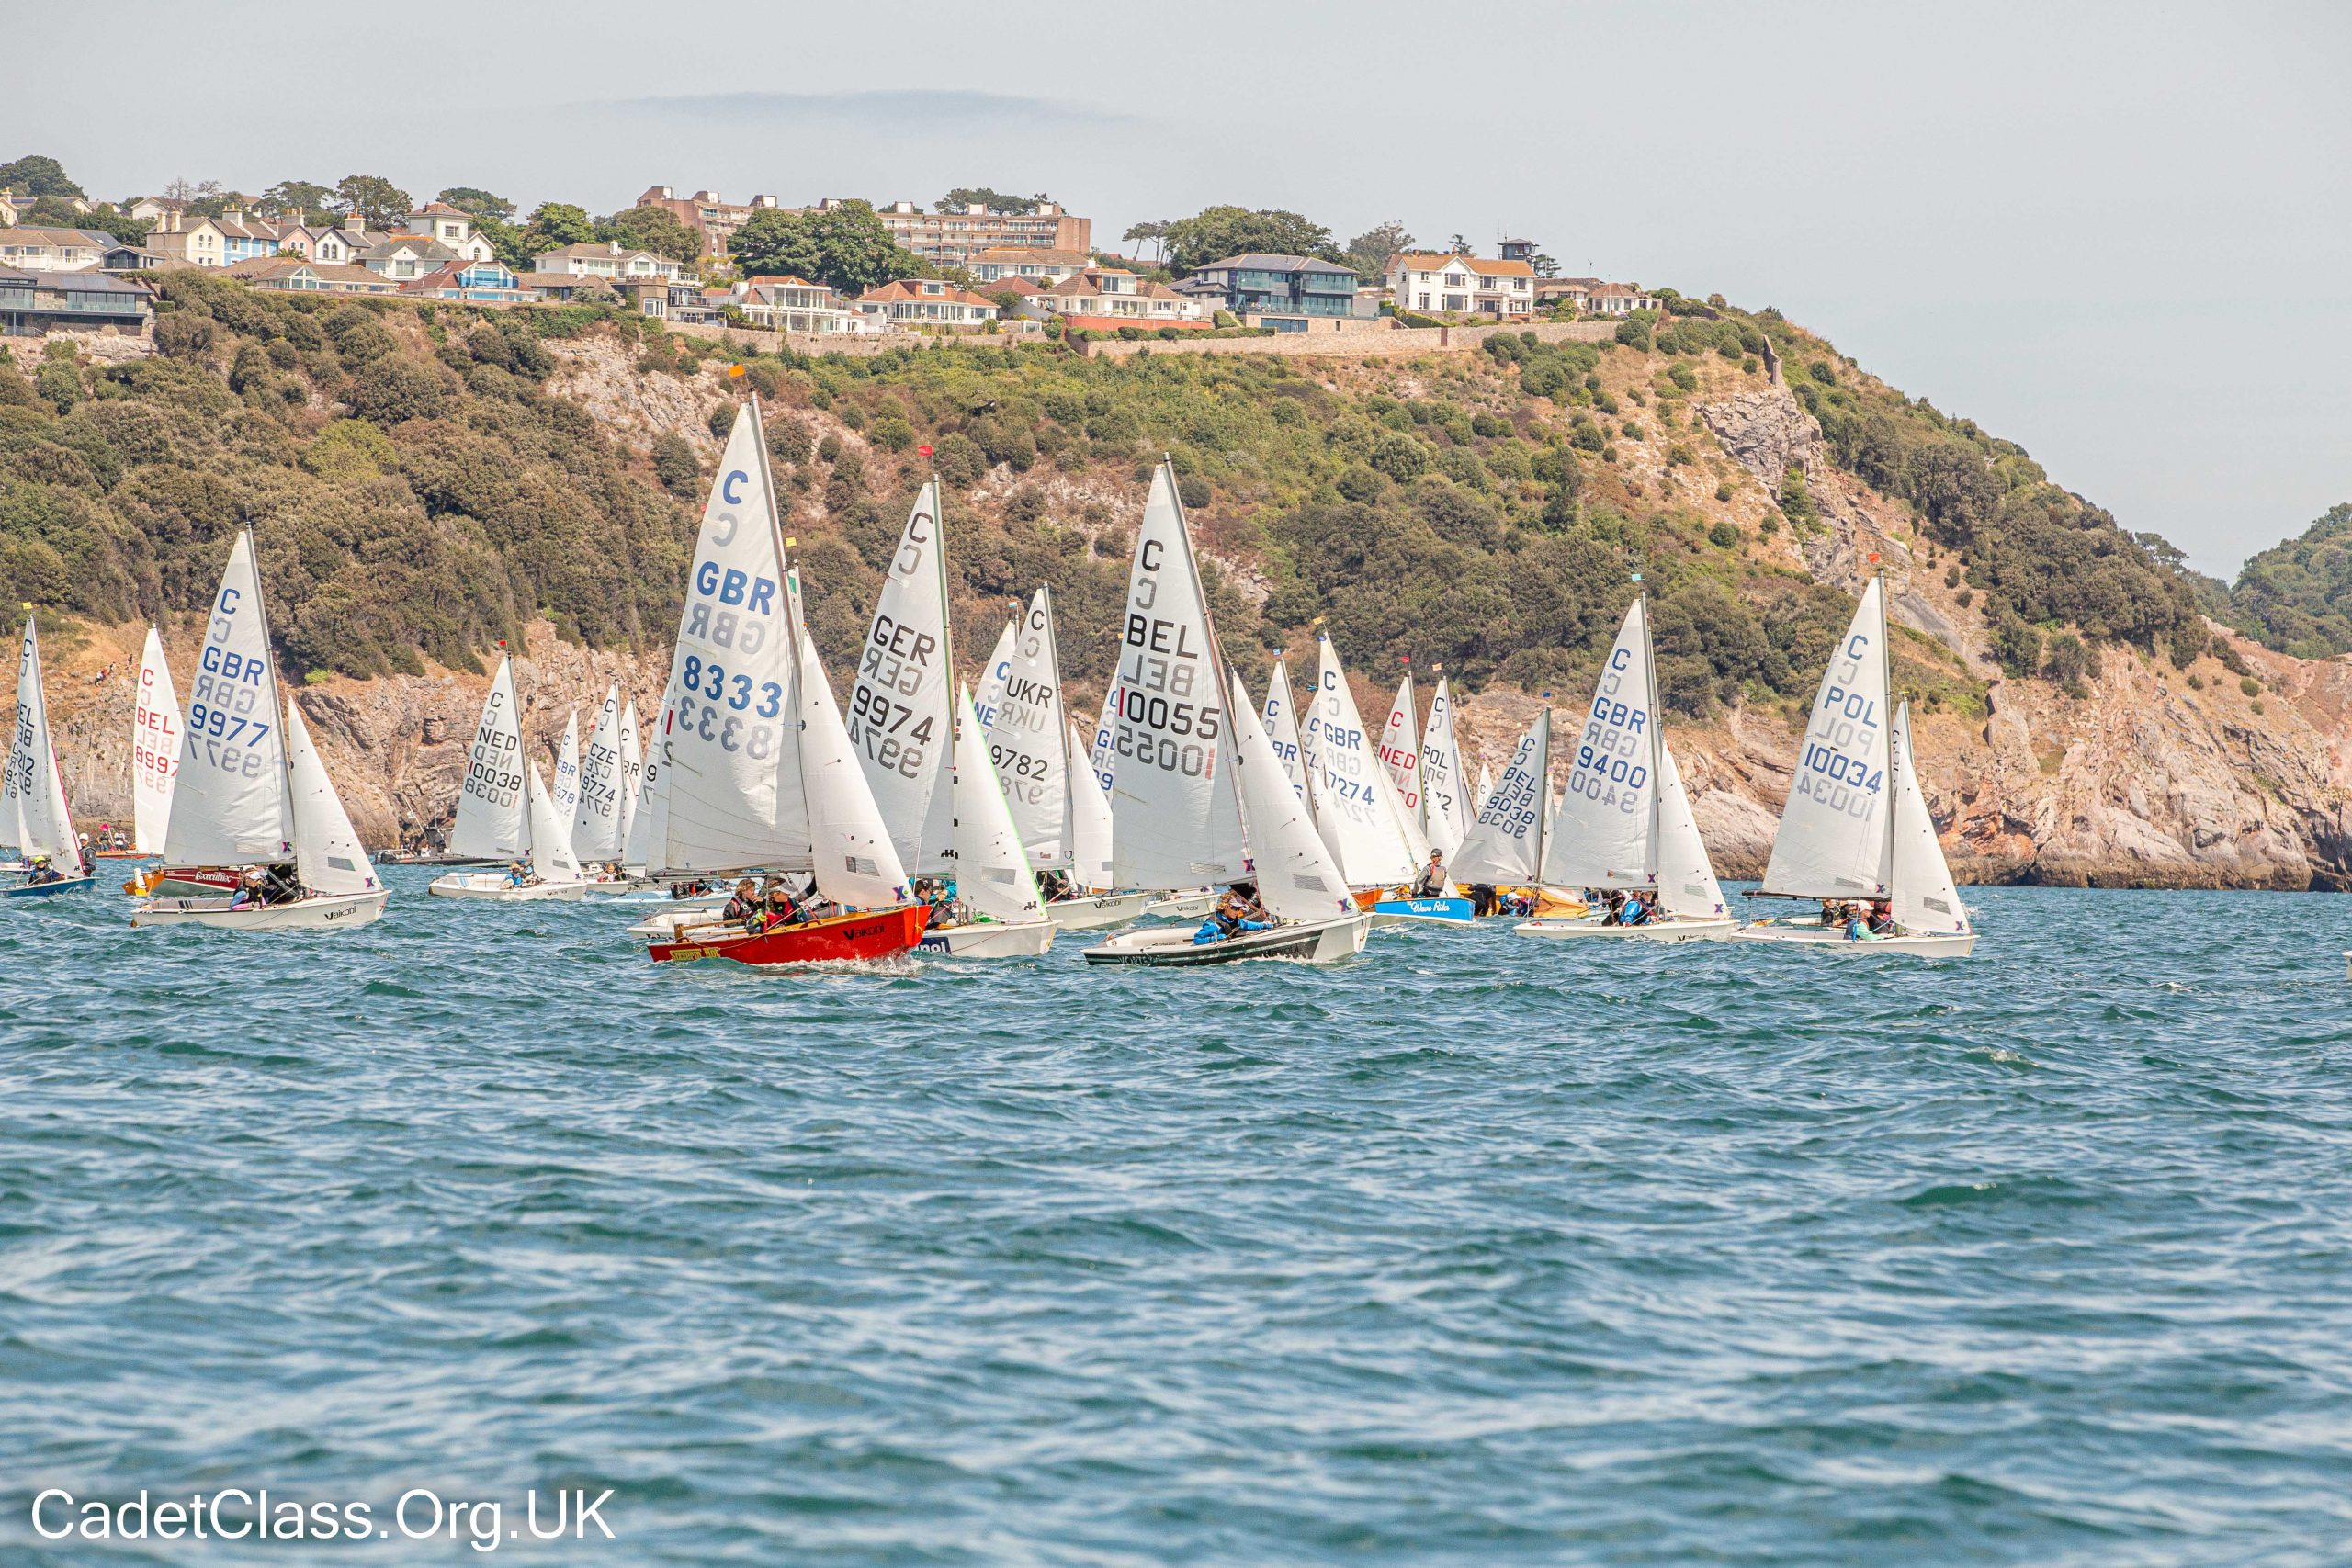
(1093, 911)
(1313, 942)
(1183, 905)
(635, 887)
(990, 938)
(1835, 940)
(318, 912)
(677, 914)
(1711, 928)
(492, 885)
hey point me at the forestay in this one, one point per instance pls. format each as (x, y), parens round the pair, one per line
(1925, 898)
(228, 803)
(551, 856)
(1833, 839)
(493, 818)
(1604, 835)
(728, 741)
(1176, 821)
(992, 874)
(154, 747)
(32, 795)
(1505, 846)
(1030, 744)
(327, 856)
(596, 825)
(1353, 798)
(1090, 818)
(1297, 878)
(901, 721)
(1444, 811)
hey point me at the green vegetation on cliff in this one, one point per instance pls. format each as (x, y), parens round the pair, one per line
(2297, 596)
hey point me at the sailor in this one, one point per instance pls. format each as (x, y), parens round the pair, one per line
(1635, 910)
(1231, 918)
(253, 889)
(744, 904)
(43, 873)
(1431, 884)
(1614, 913)
(1880, 920)
(783, 908)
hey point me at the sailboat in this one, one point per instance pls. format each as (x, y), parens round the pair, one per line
(1192, 764)
(1280, 724)
(1444, 812)
(1094, 904)
(501, 814)
(563, 788)
(999, 912)
(597, 820)
(1623, 820)
(33, 809)
(154, 753)
(1504, 847)
(252, 790)
(1857, 825)
(1372, 835)
(756, 769)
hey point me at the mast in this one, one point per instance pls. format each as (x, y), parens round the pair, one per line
(1658, 742)
(277, 700)
(1061, 723)
(1886, 726)
(1544, 807)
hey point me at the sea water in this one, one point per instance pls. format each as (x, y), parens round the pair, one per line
(1475, 1250)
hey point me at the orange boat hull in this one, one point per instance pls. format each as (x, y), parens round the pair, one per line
(870, 935)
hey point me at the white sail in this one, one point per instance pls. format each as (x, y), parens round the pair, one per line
(1504, 847)
(154, 747)
(993, 675)
(564, 788)
(1091, 857)
(653, 824)
(855, 860)
(1603, 835)
(551, 856)
(493, 816)
(1833, 839)
(632, 778)
(1098, 755)
(1444, 811)
(1686, 878)
(1176, 821)
(327, 854)
(729, 742)
(1353, 803)
(596, 824)
(1297, 878)
(1924, 899)
(35, 805)
(1280, 727)
(1485, 793)
(228, 803)
(1400, 748)
(993, 872)
(1029, 742)
(902, 711)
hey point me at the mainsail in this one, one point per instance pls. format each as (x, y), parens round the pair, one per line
(327, 856)
(901, 721)
(1354, 802)
(1836, 838)
(1505, 846)
(992, 874)
(551, 856)
(1090, 864)
(631, 783)
(596, 825)
(565, 789)
(1297, 878)
(154, 747)
(493, 818)
(1282, 733)
(228, 803)
(1400, 749)
(1606, 832)
(1444, 811)
(32, 795)
(1030, 744)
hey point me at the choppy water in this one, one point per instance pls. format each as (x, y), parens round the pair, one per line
(1477, 1250)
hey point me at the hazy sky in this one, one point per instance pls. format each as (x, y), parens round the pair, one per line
(2121, 235)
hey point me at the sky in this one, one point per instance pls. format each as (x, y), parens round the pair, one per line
(2120, 235)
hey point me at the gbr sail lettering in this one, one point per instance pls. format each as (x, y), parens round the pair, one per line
(223, 728)
(1612, 755)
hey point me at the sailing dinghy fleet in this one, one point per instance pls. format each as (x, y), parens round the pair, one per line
(980, 823)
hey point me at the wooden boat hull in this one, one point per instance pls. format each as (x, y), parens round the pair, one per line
(1313, 942)
(861, 937)
(990, 938)
(318, 912)
(1831, 940)
(1709, 927)
(1092, 911)
(491, 884)
(48, 890)
(1422, 911)
(1183, 905)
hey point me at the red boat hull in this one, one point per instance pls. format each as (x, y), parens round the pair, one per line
(878, 933)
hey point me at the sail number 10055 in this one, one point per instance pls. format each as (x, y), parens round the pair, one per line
(1158, 722)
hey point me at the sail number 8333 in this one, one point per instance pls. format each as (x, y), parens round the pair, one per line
(731, 717)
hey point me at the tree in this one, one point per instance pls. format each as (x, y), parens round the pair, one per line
(1225, 230)
(655, 228)
(554, 224)
(1458, 246)
(179, 188)
(507, 242)
(475, 202)
(373, 198)
(300, 200)
(845, 247)
(1141, 231)
(1544, 266)
(37, 175)
(963, 197)
(1371, 252)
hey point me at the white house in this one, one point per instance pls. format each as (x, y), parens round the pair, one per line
(1114, 297)
(1461, 285)
(446, 226)
(1000, 262)
(52, 250)
(784, 303)
(926, 302)
(607, 259)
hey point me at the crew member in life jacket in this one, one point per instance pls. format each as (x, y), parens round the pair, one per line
(43, 873)
(1231, 918)
(1431, 884)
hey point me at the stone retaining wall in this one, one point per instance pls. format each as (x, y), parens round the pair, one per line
(1399, 343)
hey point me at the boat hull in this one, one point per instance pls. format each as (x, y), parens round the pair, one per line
(492, 885)
(1183, 905)
(677, 914)
(990, 938)
(120, 854)
(1422, 912)
(318, 912)
(861, 937)
(48, 890)
(184, 882)
(1690, 928)
(1827, 939)
(1313, 942)
(1095, 910)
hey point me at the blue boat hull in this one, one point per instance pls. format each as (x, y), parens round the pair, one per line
(1447, 909)
(48, 890)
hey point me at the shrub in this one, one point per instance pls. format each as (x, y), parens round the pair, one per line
(397, 388)
(1722, 535)
(1401, 457)
(959, 461)
(675, 465)
(788, 439)
(1723, 492)
(1769, 526)
(1634, 332)
(1820, 371)
(1193, 490)
(722, 420)
(892, 432)
(1359, 483)
(2017, 648)
(1489, 425)
(830, 448)
(2196, 682)
(183, 336)
(2068, 661)
(1683, 377)
(2250, 686)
